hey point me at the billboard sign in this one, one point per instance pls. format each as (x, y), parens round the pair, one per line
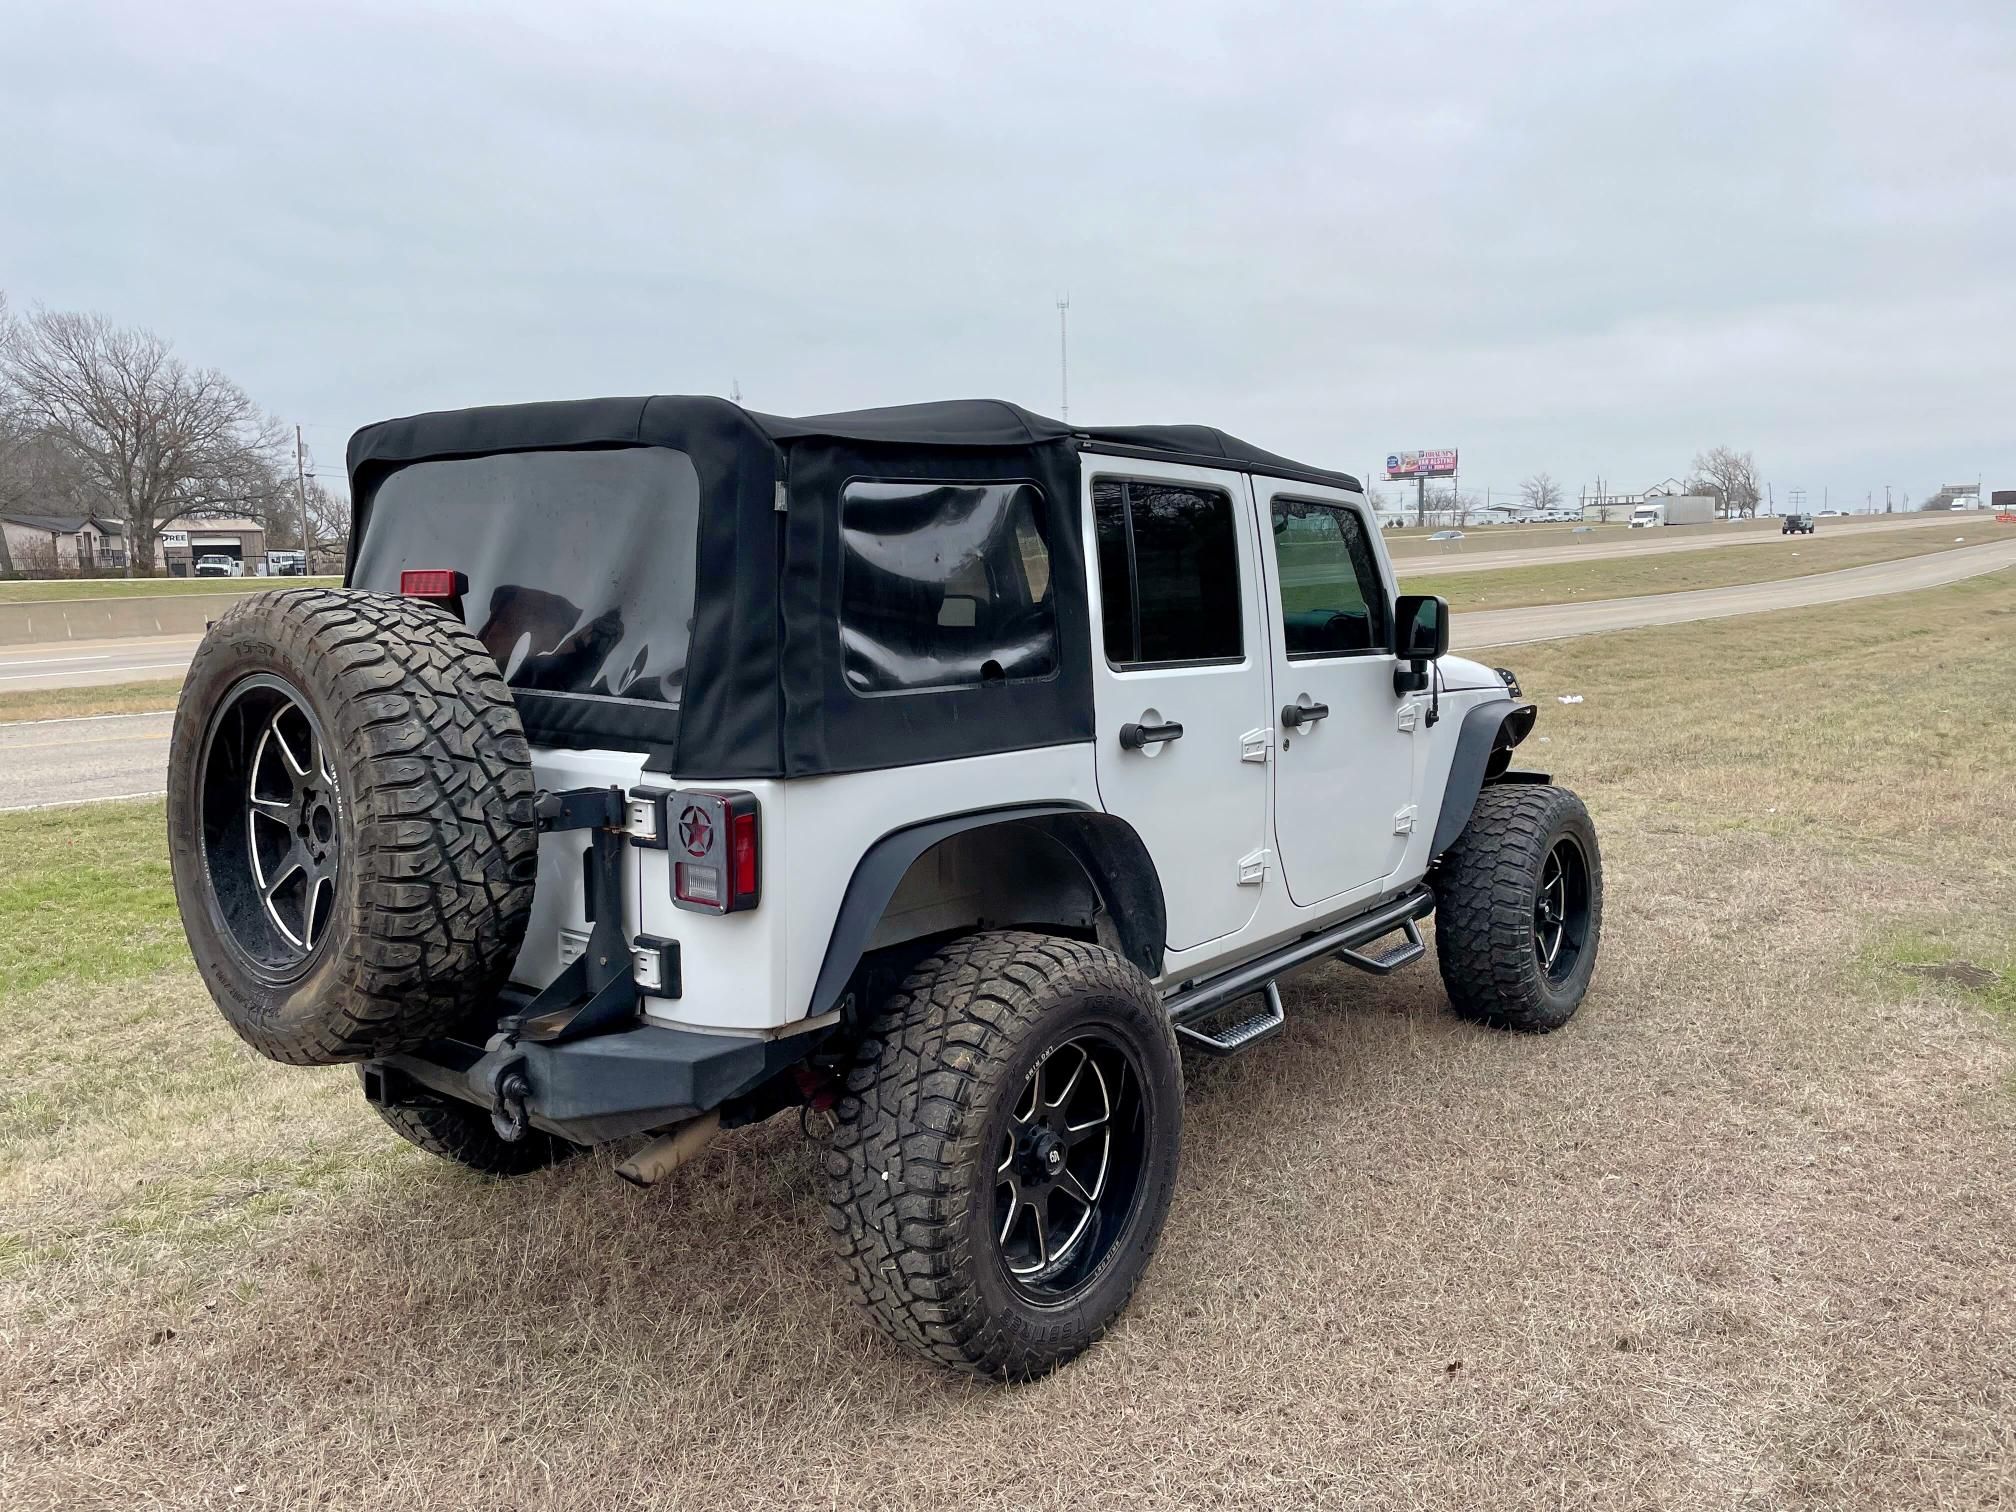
(1421, 464)
(171, 539)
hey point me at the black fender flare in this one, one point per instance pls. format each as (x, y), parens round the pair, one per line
(1483, 751)
(1114, 859)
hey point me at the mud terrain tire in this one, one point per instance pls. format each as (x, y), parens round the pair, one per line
(380, 894)
(1494, 892)
(957, 1068)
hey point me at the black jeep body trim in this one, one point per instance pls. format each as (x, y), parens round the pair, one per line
(1112, 856)
(1483, 754)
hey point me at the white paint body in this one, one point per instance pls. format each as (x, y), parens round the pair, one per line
(1256, 840)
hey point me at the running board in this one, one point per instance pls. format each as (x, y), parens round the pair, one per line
(1406, 952)
(1195, 1001)
(1230, 1039)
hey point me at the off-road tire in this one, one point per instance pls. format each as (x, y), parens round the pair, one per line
(911, 1177)
(1485, 892)
(433, 816)
(463, 1133)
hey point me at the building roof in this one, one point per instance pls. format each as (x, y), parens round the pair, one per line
(65, 524)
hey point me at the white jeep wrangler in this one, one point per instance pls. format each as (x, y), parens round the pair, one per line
(664, 766)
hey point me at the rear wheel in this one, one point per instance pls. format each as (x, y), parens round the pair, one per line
(1519, 908)
(1005, 1151)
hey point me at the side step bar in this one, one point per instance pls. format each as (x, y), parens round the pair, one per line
(1201, 999)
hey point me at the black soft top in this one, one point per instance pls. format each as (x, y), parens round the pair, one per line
(673, 420)
(764, 690)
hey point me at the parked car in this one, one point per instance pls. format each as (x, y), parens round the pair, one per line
(1797, 524)
(664, 767)
(216, 566)
(1447, 535)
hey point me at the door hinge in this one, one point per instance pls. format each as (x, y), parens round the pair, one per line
(1403, 822)
(1410, 715)
(1253, 867)
(1255, 744)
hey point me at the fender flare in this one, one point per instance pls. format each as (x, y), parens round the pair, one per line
(1490, 730)
(1115, 862)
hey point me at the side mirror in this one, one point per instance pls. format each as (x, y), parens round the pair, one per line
(1420, 627)
(1420, 635)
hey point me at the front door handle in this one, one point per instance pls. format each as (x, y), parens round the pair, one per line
(1134, 736)
(1294, 716)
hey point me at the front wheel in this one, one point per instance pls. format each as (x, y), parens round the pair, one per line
(1005, 1151)
(1519, 908)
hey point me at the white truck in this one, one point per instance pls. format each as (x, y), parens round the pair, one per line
(1687, 509)
(663, 767)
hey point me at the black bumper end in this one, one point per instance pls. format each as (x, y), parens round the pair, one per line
(589, 1091)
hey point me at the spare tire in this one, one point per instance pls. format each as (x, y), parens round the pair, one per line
(350, 823)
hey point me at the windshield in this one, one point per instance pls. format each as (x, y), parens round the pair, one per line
(580, 563)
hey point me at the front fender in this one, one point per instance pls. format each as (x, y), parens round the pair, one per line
(1483, 749)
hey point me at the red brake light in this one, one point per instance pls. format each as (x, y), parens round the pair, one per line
(432, 583)
(744, 854)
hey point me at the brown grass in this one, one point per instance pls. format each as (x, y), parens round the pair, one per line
(153, 697)
(1741, 1236)
(1669, 572)
(52, 590)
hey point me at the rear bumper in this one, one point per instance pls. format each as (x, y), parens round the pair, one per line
(592, 1090)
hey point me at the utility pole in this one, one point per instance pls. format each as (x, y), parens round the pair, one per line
(301, 484)
(735, 389)
(1064, 356)
(1886, 498)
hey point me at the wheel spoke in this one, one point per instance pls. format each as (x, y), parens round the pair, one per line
(1077, 1189)
(1105, 1105)
(1084, 1057)
(311, 908)
(294, 763)
(1042, 1233)
(290, 864)
(1014, 1209)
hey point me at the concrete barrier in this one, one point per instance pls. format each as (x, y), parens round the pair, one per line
(106, 618)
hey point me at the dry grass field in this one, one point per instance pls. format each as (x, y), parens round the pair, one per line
(53, 590)
(1743, 1235)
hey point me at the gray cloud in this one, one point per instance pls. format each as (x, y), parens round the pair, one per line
(1584, 237)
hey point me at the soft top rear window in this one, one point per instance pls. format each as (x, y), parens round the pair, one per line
(580, 563)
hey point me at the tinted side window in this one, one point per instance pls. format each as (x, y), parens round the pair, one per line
(1168, 572)
(1332, 601)
(944, 585)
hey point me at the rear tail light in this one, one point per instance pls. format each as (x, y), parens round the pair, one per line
(438, 583)
(716, 847)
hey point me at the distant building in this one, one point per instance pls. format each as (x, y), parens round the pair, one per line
(185, 539)
(1955, 496)
(64, 545)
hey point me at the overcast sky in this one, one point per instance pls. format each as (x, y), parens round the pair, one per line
(1564, 234)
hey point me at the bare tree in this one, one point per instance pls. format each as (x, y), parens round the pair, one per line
(1730, 476)
(1541, 493)
(328, 522)
(156, 437)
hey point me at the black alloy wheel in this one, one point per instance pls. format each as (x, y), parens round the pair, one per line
(1561, 909)
(271, 832)
(1070, 1165)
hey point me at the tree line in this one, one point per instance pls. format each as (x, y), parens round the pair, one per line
(103, 420)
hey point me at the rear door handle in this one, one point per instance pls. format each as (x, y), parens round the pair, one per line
(1294, 716)
(1134, 736)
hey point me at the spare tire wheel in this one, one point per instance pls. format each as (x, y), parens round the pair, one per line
(350, 823)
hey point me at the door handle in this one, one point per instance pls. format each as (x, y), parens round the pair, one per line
(1135, 736)
(1294, 716)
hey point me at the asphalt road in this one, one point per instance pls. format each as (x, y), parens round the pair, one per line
(86, 664)
(126, 755)
(1423, 559)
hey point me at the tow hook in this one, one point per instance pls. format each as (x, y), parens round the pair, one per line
(507, 1117)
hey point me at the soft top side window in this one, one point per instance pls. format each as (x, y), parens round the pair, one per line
(944, 585)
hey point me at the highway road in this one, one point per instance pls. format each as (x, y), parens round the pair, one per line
(89, 664)
(126, 755)
(1417, 559)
